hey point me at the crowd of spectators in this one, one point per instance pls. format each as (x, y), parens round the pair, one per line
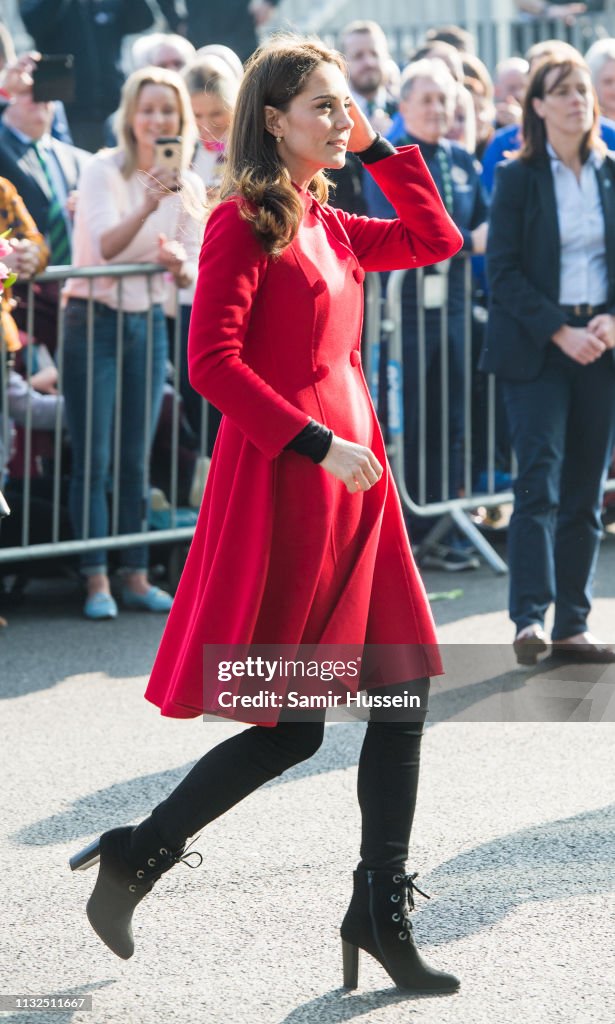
(81, 184)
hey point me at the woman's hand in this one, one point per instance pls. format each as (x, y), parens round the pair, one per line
(361, 134)
(603, 326)
(479, 238)
(173, 256)
(46, 380)
(580, 343)
(160, 182)
(71, 203)
(16, 79)
(356, 466)
(23, 258)
(28, 257)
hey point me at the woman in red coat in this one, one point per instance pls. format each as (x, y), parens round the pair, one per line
(300, 540)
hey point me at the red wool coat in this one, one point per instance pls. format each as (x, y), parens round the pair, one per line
(282, 553)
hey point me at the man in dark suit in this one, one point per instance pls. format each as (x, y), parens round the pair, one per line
(45, 172)
(42, 169)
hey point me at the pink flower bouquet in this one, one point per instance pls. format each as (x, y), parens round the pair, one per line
(7, 277)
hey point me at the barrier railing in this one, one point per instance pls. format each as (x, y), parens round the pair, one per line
(451, 508)
(56, 546)
(383, 326)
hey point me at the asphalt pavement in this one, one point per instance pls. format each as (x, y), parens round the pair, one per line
(514, 835)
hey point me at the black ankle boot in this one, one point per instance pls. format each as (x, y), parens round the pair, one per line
(378, 921)
(127, 873)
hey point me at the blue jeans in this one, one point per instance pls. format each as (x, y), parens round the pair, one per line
(562, 427)
(134, 444)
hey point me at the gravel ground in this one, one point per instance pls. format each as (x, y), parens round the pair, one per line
(514, 835)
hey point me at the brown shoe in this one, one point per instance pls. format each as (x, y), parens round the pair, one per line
(529, 643)
(583, 648)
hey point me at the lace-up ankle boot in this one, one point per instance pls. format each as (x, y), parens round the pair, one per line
(378, 921)
(130, 865)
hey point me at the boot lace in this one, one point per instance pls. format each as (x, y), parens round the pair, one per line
(405, 898)
(181, 856)
(165, 860)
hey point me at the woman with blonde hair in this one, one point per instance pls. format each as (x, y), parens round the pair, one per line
(129, 211)
(300, 539)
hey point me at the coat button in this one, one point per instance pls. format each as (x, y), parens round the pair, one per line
(355, 358)
(321, 371)
(359, 275)
(319, 287)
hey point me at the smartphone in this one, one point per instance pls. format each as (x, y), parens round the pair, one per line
(53, 78)
(168, 153)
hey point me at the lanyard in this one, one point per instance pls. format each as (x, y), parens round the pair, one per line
(447, 180)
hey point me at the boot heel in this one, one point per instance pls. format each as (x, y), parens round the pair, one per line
(86, 858)
(350, 959)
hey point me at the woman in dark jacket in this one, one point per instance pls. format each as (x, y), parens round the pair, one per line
(551, 332)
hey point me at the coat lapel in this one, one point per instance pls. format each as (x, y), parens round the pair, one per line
(67, 164)
(26, 160)
(546, 191)
(31, 165)
(606, 183)
(546, 213)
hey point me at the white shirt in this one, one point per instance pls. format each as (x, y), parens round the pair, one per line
(583, 271)
(105, 198)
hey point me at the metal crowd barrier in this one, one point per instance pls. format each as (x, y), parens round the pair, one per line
(58, 547)
(451, 509)
(383, 326)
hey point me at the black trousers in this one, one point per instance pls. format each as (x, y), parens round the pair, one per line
(387, 780)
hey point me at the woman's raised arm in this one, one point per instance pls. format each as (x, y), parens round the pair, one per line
(423, 234)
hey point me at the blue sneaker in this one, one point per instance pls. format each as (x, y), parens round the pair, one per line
(100, 606)
(154, 600)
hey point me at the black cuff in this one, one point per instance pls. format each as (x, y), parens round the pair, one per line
(377, 150)
(313, 441)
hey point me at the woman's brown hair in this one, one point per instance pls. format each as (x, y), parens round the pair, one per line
(534, 146)
(275, 74)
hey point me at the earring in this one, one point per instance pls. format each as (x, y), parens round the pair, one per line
(278, 138)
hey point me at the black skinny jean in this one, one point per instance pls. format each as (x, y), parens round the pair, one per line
(387, 779)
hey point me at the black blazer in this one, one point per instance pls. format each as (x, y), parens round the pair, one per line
(20, 164)
(523, 266)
